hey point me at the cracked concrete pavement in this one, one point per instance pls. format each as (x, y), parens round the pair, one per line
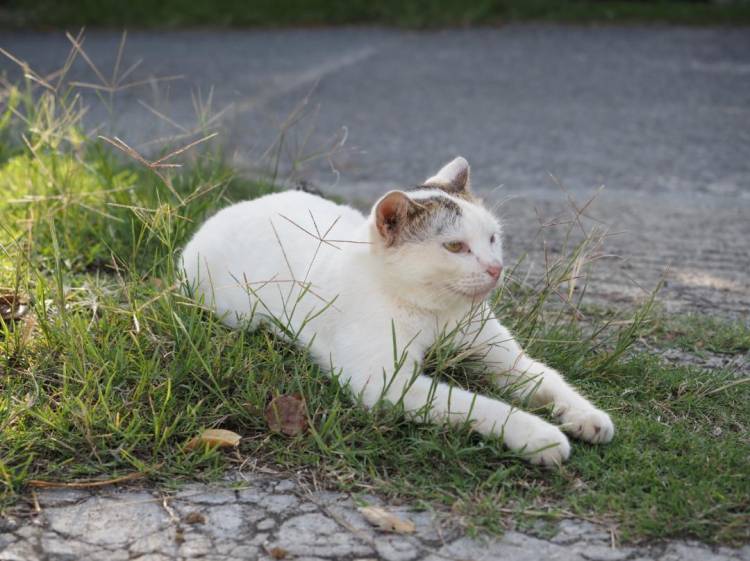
(265, 518)
(660, 116)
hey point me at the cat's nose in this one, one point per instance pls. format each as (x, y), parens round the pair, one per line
(494, 270)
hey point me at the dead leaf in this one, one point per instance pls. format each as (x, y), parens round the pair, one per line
(387, 521)
(28, 327)
(13, 306)
(214, 438)
(287, 414)
(194, 517)
(278, 552)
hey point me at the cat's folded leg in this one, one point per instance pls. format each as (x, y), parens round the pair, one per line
(529, 379)
(536, 440)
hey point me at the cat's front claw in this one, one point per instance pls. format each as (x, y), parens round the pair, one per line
(547, 446)
(591, 425)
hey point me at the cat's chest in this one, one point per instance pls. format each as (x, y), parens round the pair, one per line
(424, 328)
(376, 320)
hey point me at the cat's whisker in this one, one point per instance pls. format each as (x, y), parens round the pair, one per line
(503, 201)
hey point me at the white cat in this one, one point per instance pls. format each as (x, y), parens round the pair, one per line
(345, 286)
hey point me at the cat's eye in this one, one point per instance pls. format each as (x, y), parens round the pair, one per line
(455, 247)
(493, 238)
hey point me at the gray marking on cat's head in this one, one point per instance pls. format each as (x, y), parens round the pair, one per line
(465, 195)
(401, 218)
(427, 210)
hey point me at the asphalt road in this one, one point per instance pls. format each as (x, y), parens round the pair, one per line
(660, 116)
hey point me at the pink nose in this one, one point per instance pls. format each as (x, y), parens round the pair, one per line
(494, 271)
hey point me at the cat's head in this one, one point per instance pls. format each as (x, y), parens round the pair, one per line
(438, 244)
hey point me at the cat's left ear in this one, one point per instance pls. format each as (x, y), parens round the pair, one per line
(392, 213)
(453, 177)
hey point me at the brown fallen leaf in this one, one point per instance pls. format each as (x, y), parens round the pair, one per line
(13, 306)
(214, 438)
(278, 552)
(287, 414)
(194, 517)
(387, 521)
(27, 329)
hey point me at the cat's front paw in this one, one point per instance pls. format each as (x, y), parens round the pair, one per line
(546, 446)
(589, 424)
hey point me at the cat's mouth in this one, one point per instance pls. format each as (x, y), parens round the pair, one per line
(477, 292)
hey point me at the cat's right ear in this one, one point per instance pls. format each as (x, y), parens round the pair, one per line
(392, 213)
(453, 177)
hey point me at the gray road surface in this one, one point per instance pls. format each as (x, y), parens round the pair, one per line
(659, 116)
(640, 110)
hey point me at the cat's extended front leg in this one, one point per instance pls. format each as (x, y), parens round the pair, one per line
(528, 378)
(538, 441)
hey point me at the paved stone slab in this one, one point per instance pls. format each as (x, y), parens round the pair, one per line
(131, 523)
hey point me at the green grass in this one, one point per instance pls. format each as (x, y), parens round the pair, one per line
(700, 334)
(410, 13)
(112, 370)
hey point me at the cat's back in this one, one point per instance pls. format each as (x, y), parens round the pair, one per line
(290, 213)
(292, 205)
(273, 237)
